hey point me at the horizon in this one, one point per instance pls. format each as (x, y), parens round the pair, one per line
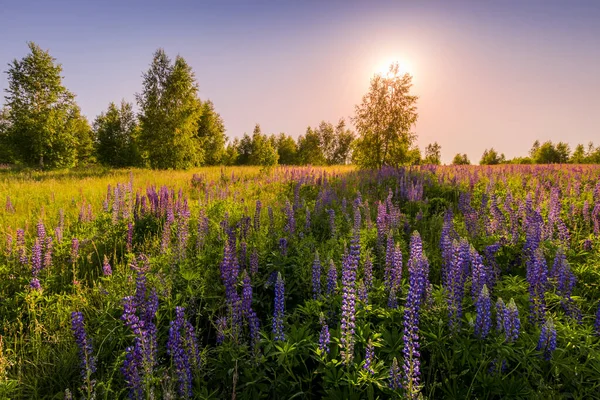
(510, 71)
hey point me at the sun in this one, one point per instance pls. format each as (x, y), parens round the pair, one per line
(383, 68)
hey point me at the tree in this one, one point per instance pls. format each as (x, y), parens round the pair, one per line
(433, 154)
(244, 150)
(344, 137)
(461, 159)
(6, 153)
(170, 111)
(491, 157)
(230, 157)
(45, 127)
(309, 148)
(384, 121)
(116, 133)
(563, 151)
(211, 131)
(287, 149)
(262, 153)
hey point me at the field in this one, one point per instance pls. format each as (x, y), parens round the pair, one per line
(442, 282)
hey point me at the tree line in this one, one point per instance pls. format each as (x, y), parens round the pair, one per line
(41, 125)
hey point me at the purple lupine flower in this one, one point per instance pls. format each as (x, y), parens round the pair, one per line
(389, 257)
(418, 269)
(483, 320)
(182, 346)
(395, 376)
(511, 322)
(68, 395)
(35, 284)
(547, 342)
(221, 324)
(254, 261)
(243, 256)
(307, 223)
(41, 231)
(537, 277)
(381, 222)
(349, 268)
(74, 250)
(369, 358)
(290, 222)
(316, 277)
(271, 219)
(279, 309)
(129, 244)
(87, 359)
(21, 250)
(106, 269)
(331, 212)
(229, 271)
(457, 275)
(587, 245)
(324, 337)
(331, 278)
(36, 258)
(480, 274)
(446, 244)
(597, 321)
(48, 253)
(283, 246)
(257, 216)
(246, 293)
(368, 272)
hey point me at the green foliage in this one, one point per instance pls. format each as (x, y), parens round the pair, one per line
(433, 154)
(309, 148)
(211, 131)
(169, 114)
(461, 159)
(287, 149)
(491, 157)
(384, 121)
(116, 133)
(549, 153)
(45, 127)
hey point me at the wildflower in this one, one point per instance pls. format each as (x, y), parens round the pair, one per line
(221, 324)
(331, 278)
(395, 376)
(129, 237)
(418, 269)
(369, 358)
(283, 246)
(48, 253)
(182, 346)
(74, 250)
(106, 269)
(348, 308)
(88, 361)
(324, 337)
(511, 322)
(257, 216)
(279, 309)
(483, 320)
(316, 277)
(547, 342)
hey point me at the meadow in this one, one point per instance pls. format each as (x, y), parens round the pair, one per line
(456, 282)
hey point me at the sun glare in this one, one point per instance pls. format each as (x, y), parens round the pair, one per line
(384, 67)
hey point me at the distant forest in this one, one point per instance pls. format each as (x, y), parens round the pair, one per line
(41, 126)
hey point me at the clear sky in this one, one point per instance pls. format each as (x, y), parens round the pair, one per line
(488, 73)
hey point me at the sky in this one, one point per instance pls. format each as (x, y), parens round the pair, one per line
(488, 73)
